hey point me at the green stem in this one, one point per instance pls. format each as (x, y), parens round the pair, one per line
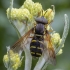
(65, 33)
(11, 21)
(11, 4)
(19, 35)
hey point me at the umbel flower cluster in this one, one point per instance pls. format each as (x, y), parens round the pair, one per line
(23, 19)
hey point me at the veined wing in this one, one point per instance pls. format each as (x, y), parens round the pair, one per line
(22, 42)
(49, 48)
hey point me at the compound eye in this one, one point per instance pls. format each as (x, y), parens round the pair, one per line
(38, 19)
(45, 21)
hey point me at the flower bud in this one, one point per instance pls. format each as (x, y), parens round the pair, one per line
(37, 9)
(49, 15)
(60, 52)
(29, 4)
(19, 14)
(55, 38)
(12, 59)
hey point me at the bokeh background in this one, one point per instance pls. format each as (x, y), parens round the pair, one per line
(8, 35)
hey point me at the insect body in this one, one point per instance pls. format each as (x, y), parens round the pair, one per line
(36, 46)
(40, 41)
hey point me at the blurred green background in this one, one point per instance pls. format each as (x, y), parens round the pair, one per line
(8, 35)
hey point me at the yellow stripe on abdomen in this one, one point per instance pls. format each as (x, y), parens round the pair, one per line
(32, 53)
(39, 48)
(33, 41)
(38, 54)
(32, 46)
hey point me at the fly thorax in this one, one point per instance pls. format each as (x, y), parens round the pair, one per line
(39, 29)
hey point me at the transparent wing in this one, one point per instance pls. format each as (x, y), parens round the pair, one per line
(49, 49)
(21, 43)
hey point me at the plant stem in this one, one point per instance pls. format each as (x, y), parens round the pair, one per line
(65, 33)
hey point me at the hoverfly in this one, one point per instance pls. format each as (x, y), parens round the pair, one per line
(40, 41)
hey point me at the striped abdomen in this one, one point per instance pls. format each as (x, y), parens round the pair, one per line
(36, 48)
